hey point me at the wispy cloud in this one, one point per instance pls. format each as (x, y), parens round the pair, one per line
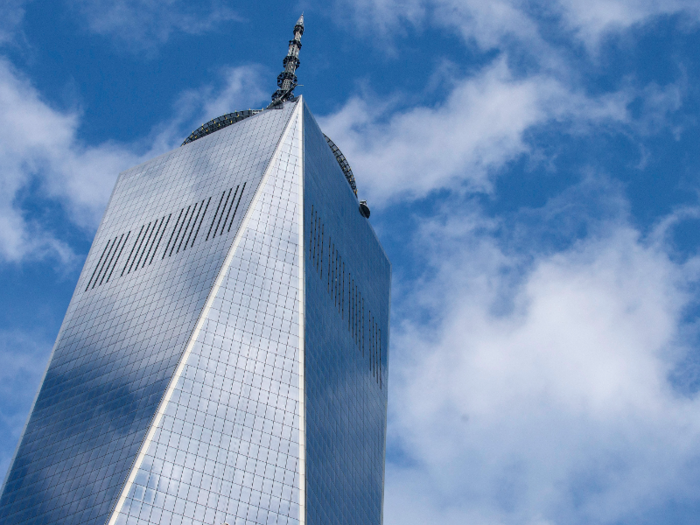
(11, 15)
(43, 151)
(143, 25)
(42, 147)
(591, 21)
(463, 142)
(539, 393)
(532, 359)
(497, 23)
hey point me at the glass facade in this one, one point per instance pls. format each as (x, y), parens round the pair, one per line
(208, 369)
(347, 280)
(226, 447)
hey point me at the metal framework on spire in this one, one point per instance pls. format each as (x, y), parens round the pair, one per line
(220, 122)
(287, 79)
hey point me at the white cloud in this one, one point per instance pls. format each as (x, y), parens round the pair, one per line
(553, 408)
(140, 25)
(41, 146)
(591, 20)
(538, 391)
(238, 88)
(386, 15)
(494, 24)
(136, 25)
(500, 23)
(243, 88)
(458, 144)
(488, 24)
(42, 149)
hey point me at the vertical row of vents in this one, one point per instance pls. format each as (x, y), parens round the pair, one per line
(150, 237)
(346, 295)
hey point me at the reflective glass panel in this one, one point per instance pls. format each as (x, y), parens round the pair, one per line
(163, 239)
(347, 279)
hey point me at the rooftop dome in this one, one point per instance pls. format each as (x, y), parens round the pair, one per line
(231, 118)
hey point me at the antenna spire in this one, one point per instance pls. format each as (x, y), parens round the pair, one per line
(287, 79)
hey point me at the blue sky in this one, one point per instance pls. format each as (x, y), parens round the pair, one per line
(533, 171)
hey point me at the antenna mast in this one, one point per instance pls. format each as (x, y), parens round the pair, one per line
(287, 79)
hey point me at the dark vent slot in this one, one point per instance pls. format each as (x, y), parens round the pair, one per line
(351, 315)
(328, 274)
(336, 281)
(355, 331)
(132, 250)
(358, 319)
(349, 302)
(328, 268)
(194, 224)
(104, 262)
(373, 347)
(162, 233)
(373, 333)
(379, 339)
(378, 361)
(318, 241)
(370, 349)
(338, 277)
(143, 238)
(354, 314)
(228, 213)
(228, 196)
(335, 278)
(351, 307)
(112, 259)
(189, 221)
(374, 350)
(377, 347)
(312, 238)
(240, 196)
(182, 224)
(312, 232)
(183, 235)
(317, 235)
(333, 262)
(200, 222)
(155, 232)
(118, 256)
(173, 233)
(377, 353)
(362, 326)
(215, 215)
(146, 243)
(97, 266)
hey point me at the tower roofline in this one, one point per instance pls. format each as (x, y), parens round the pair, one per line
(286, 82)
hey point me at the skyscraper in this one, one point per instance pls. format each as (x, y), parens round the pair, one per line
(223, 358)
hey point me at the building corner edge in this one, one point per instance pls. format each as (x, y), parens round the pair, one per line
(302, 323)
(128, 482)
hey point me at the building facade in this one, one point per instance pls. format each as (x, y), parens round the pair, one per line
(224, 356)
